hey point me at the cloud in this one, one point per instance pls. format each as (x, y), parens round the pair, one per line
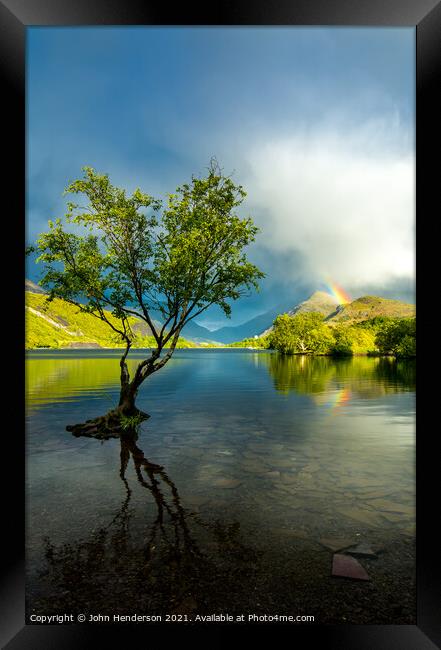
(334, 199)
(343, 199)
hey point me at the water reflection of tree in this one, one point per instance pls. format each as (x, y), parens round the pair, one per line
(299, 373)
(401, 372)
(367, 377)
(177, 562)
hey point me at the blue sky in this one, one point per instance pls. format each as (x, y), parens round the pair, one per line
(316, 123)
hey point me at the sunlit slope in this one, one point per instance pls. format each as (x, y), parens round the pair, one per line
(369, 307)
(58, 324)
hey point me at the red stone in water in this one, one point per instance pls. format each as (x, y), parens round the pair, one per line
(345, 566)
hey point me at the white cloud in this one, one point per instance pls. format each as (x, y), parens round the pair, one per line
(344, 200)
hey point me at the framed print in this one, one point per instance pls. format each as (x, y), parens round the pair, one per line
(220, 323)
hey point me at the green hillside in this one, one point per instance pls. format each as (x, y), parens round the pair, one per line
(368, 307)
(368, 325)
(258, 342)
(58, 324)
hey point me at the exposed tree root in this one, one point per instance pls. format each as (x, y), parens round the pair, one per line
(110, 425)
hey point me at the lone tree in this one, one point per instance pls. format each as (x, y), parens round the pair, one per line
(136, 259)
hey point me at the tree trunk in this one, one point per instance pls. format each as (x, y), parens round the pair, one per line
(111, 425)
(127, 399)
(129, 390)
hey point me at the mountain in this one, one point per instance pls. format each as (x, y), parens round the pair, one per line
(32, 287)
(251, 328)
(198, 333)
(255, 326)
(369, 307)
(319, 301)
(192, 331)
(356, 311)
(58, 324)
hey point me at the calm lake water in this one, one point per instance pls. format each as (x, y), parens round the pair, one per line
(269, 464)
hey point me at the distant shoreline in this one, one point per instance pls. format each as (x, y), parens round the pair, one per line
(217, 347)
(372, 355)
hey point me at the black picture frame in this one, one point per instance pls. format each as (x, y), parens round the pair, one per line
(15, 17)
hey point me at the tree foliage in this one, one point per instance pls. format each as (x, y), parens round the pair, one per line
(353, 339)
(307, 333)
(303, 333)
(135, 257)
(258, 342)
(398, 338)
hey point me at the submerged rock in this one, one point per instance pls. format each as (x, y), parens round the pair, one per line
(283, 463)
(366, 517)
(254, 467)
(393, 517)
(345, 566)
(288, 479)
(227, 483)
(336, 543)
(288, 533)
(196, 500)
(272, 474)
(193, 452)
(363, 549)
(392, 506)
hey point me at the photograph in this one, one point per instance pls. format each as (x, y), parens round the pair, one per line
(220, 325)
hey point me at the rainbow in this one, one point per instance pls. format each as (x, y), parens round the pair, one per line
(335, 400)
(340, 398)
(339, 293)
